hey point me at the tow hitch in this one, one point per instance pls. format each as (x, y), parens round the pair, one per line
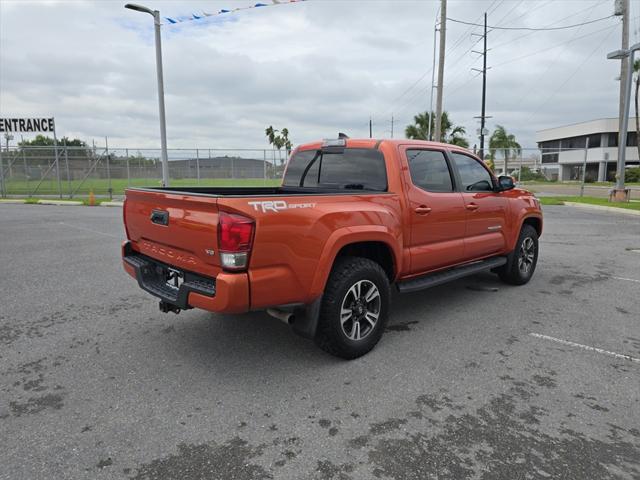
(166, 307)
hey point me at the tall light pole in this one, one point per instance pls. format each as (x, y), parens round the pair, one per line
(620, 193)
(163, 123)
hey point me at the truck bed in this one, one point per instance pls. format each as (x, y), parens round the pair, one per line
(256, 191)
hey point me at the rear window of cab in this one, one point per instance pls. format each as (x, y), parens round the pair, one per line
(342, 169)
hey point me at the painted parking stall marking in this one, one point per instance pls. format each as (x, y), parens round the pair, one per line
(586, 347)
(626, 279)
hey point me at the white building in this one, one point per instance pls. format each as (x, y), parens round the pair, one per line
(563, 149)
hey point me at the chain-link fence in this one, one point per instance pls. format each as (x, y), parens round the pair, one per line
(77, 171)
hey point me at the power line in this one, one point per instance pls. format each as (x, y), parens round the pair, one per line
(578, 68)
(544, 29)
(449, 51)
(551, 63)
(510, 42)
(515, 59)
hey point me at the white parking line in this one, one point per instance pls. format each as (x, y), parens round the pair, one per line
(90, 230)
(586, 347)
(627, 279)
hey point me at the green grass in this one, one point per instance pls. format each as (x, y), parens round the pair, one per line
(84, 200)
(577, 183)
(101, 186)
(589, 200)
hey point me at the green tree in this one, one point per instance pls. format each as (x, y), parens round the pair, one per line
(505, 143)
(42, 141)
(453, 134)
(287, 142)
(491, 164)
(279, 141)
(77, 148)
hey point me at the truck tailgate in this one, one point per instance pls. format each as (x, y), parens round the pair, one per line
(179, 230)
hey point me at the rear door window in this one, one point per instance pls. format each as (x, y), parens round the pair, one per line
(345, 169)
(429, 170)
(474, 177)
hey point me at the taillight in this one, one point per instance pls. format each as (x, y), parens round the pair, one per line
(235, 239)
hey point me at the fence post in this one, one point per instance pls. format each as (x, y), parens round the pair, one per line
(106, 148)
(2, 192)
(520, 169)
(55, 150)
(264, 165)
(126, 152)
(198, 166)
(66, 163)
(26, 174)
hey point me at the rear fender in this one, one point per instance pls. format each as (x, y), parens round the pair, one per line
(346, 236)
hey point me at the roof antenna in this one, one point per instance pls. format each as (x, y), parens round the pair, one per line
(342, 135)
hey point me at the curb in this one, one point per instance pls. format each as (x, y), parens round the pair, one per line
(600, 208)
(59, 202)
(111, 204)
(12, 200)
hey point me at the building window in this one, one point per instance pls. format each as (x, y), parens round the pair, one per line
(549, 158)
(594, 140)
(612, 139)
(632, 139)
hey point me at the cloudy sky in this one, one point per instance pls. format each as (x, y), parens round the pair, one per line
(316, 67)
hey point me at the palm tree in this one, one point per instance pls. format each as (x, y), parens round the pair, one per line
(636, 69)
(453, 134)
(279, 141)
(505, 142)
(287, 143)
(270, 132)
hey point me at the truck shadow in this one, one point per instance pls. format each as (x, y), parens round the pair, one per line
(255, 339)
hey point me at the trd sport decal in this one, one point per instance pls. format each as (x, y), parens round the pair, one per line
(278, 205)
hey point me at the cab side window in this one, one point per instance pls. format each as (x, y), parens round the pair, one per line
(429, 170)
(474, 177)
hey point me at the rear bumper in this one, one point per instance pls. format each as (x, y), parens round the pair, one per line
(226, 293)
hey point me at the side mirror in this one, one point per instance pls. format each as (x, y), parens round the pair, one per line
(505, 182)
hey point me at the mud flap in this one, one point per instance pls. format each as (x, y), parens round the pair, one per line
(306, 322)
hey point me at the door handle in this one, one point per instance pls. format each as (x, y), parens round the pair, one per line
(423, 210)
(472, 206)
(160, 217)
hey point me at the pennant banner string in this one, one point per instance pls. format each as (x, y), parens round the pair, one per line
(204, 15)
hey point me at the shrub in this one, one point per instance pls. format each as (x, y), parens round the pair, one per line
(632, 174)
(527, 175)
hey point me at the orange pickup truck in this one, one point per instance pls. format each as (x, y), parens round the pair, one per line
(321, 252)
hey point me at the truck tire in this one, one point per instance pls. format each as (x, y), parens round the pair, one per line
(354, 308)
(525, 257)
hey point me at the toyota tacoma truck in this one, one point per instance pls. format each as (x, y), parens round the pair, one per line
(351, 219)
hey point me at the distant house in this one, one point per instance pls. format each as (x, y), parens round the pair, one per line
(563, 149)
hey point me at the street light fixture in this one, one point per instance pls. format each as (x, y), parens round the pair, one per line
(622, 135)
(163, 124)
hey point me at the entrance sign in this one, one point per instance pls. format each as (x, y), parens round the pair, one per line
(25, 125)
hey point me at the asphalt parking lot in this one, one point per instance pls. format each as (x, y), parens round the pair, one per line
(471, 380)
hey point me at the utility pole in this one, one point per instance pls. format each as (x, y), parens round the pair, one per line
(430, 117)
(483, 116)
(370, 128)
(622, 8)
(443, 37)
